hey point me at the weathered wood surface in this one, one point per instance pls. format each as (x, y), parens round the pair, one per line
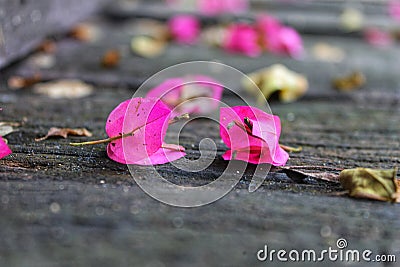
(24, 24)
(68, 206)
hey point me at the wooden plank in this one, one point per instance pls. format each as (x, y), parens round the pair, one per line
(24, 24)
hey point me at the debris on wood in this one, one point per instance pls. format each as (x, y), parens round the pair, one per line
(328, 53)
(111, 58)
(277, 78)
(147, 47)
(18, 82)
(64, 132)
(371, 184)
(85, 32)
(8, 127)
(351, 19)
(66, 88)
(315, 172)
(47, 46)
(42, 60)
(353, 81)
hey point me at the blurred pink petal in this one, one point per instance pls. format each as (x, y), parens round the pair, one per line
(394, 9)
(256, 144)
(278, 38)
(184, 29)
(216, 7)
(269, 28)
(148, 119)
(4, 149)
(291, 42)
(242, 38)
(197, 94)
(377, 37)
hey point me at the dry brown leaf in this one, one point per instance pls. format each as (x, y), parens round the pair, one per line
(350, 82)
(64, 132)
(371, 183)
(296, 174)
(68, 88)
(18, 82)
(47, 46)
(110, 58)
(86, 32)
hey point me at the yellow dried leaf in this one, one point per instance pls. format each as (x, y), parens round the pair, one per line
(352, 19)
(146, 46)
(277, 78)
(349, 82)
(371, 183)
(64, 132)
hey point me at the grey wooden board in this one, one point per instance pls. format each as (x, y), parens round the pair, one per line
(314, 17)
(102, 218)
(24, 24)
(82, 60)
(103, 225)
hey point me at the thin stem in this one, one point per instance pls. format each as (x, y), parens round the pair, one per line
(107, 140)
(131, 133)
(291, 149)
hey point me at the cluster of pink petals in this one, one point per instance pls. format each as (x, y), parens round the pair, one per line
(267, 33)
(216, 7)
(278, 38)
(184, 29)
(197, 94)
(252, 136)
(4, 149)
(394, 9)
(242, 38)
(148, 119)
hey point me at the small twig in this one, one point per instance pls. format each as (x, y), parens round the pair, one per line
(291, 149)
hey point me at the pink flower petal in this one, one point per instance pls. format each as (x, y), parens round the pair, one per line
(148, 117)
(394, 9)
(291, 42)
(278, 38)
(269, 28)
(185, 29)
(377, 37)
(197, 94)
(161, 156)
(260, 144)
(216, 7)
(4, 149)
(242, 38)
(168, 91)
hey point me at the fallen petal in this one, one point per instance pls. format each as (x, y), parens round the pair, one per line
(4, 149)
